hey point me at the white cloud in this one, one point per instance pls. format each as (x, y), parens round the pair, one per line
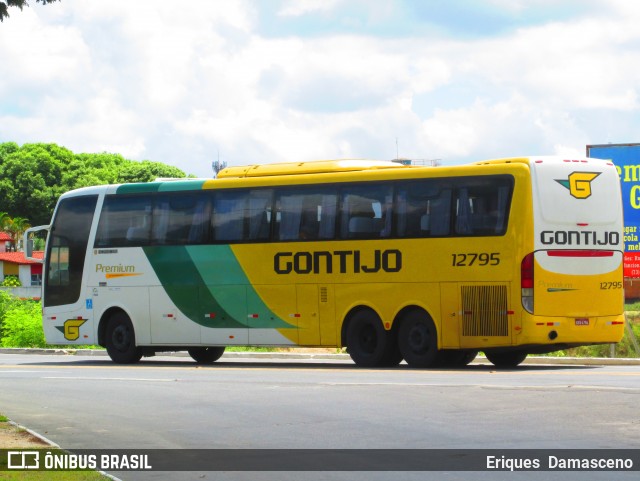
(295, 8)
(152, 80)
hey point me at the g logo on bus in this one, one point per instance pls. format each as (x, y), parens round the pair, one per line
(579, 183)
(71, 328)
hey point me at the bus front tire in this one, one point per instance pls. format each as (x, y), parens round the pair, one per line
(121, 340)
(368, 343)
(506, 359)
(418, 340)
(206, 355)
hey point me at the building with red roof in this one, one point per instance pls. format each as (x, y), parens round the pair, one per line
(16, 264)
(5, 240)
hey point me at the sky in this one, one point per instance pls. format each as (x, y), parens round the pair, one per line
(245, 82)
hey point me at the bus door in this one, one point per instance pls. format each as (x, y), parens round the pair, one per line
(308, 316)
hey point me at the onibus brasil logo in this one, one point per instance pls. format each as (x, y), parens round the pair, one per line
(579, 183)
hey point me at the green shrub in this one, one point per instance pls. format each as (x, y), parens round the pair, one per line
(22, 325)
(7, 302)
(11, 281)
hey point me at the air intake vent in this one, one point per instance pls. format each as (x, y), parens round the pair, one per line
(484, 311)
(324, 295)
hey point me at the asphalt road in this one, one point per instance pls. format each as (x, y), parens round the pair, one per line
(170, 402)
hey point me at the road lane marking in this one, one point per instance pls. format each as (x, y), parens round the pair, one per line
(14, 372)
(487, 386)
(137, 379)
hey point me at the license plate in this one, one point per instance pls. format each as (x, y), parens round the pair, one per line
(582, 322)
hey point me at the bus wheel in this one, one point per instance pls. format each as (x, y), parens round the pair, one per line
(418, 340)
(456, 357)
(507, 358)
(367, 341)
(206, 355)
(121, 340)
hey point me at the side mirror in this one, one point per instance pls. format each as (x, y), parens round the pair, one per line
(28, 242)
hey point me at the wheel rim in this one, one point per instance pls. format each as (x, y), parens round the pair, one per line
(121, 338)
(368, 339)
(419, 338)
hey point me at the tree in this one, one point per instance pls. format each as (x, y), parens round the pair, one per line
(146, 171)
(31, 180)
(33, 176)
(15, 227)
(5, 4)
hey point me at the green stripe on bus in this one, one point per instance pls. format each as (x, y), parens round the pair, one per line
(186, 289)
(181, 185)
(209, 287)
(138, 188)
(173, 186)
(219, 267)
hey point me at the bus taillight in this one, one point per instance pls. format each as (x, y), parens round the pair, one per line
(526, 282)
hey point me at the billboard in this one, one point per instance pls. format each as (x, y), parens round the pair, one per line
(626, 158)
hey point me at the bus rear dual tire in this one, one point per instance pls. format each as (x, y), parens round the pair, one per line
(368, 343)
(416, 341)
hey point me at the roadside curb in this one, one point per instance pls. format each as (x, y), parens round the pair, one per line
(39, 436)
(324, 356)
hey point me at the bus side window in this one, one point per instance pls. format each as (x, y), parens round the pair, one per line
(327, 214)
(483, 205)
(289, 216)
(125, 221)
(242, 215)
(439, 215)
(259, 214)
(228, 215)
(366, 212)
(180, 219)
(305, 214)
(423, 209)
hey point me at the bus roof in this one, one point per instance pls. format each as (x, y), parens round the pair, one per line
(312, 167)
(305, 170)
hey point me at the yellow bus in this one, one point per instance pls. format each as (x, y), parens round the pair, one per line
(423, 264)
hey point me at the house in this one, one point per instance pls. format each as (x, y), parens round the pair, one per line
(5, 240)
(15, 264)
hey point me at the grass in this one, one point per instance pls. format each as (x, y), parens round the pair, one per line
(632, 306)
(51, 476)
(15, 438)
